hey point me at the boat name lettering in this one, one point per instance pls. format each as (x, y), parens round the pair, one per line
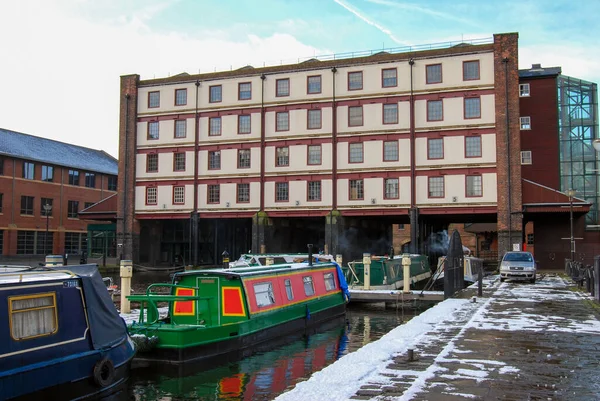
(206, 281)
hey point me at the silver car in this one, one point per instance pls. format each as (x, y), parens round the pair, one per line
(518, 266)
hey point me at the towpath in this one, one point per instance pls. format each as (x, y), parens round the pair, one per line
(518, 342)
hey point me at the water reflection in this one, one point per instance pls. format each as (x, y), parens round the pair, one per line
(266, 374)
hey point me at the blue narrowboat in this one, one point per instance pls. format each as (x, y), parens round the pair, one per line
(61, 337)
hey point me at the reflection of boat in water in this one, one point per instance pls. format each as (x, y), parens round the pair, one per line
(62, 336)
(386, 273)
(265, 259)
(216, 312)
(261, 376)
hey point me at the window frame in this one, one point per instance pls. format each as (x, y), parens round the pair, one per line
(277, 192)
(149, 164)
(239, 159)
(525, 126)
(281, 113)
(362, 152)
(383, 70)
(523, 92)
(249, 116)
(524, 161)
(150, 131)
(478, 98)
(308, 113)
(465, 62)
(148, 195)
(308, 280)
(309, 197)
(210, 126)
(431, 82)
(45, 169)
(431, 102)
(177, 156)
(177, 102)
(308, 91)
(90, 180)
(308, 160)
(443, 180)
(355, 73)
(150, 94)
(240, 91)
(175, 200)
(27, 205)
(28, 167)
(53, 307)
(431, 140)
(397, 146)
(269, 294)
(211, 189)
(214, 156)
(212, 96)
(71, 204)
(362, 116)
(385, 187)
(329, 279)
(180, 123)
(238, 192)
(277, 164)
(289, 290)
(383, 107)
(359, 186)
(467, 147)
(480, 195)
(72, 175)
(277, 87)
(110, 185)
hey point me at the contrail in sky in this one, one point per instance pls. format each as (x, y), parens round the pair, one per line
(424, 10)
(372, 23)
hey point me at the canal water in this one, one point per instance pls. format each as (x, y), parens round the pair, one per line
(268, 373)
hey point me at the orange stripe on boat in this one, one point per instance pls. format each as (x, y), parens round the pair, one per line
(184, 308)
(233, 304)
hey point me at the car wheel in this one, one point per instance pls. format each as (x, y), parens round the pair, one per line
(532, 281)
(502, 279)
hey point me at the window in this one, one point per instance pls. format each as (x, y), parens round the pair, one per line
(314, 119)
(245, 90)
(355, 153)
(529, 239)
(472, 146)
(473, 107)
(25, 242)
(27, 205)
(214, 193)
(309, 289)
(214, 124)
(390, 113)
(214, 160)
(314, 154)
(152, 163)
(244, 124)
(153, 99)
(390, 151)
(525, 122)
(436, 187)
(264, 294)
(355, 116)
(288, 289)
(90, 180)
(392, 188)
(180, 129)
(88, 204)
(28, 170)
(47, 173)
(215, 94)
(389, 77)
(33, 316)
(179, 161)
(282, 192)
(73, 177)
(283, 121)
(178, 195)
(435, 148)
(524, 90)
(73, 209)
(474, 186)
(282, 156)
(283, 87)
(435, 110)
(313, 84)
(43, 242)
(153, 130)
(355, 80)
(329, 281)
(244, 158)
(434, 74)
(151, 195)
(243, 193)
(357, 189)
(470, 70)
(314, 190)
(180, 97)
(526, 157)
(73, 242)
(46, 211)
(112, 183)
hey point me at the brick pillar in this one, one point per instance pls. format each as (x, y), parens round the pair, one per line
(128, 229)
(508, 141)
(261, 231)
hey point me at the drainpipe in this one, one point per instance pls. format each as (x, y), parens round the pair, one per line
(414, 224)
(334, 146)
(262, 142)
(125, 164)
(194, 226)
(505, 61)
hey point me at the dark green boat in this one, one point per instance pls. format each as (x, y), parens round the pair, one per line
(386, 273)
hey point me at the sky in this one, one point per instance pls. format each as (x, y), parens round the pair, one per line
(60, 60)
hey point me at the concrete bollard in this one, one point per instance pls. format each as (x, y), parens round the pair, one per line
(269, 261)
(406, 262)
(126, 274)
(263, 249)
(338, 259)
(367, 271)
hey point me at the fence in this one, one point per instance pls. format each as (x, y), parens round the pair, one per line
(587, 276)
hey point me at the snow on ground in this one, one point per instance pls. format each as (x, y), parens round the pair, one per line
(134, 315)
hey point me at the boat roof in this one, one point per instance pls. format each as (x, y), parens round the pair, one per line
(29, 275)
(254, 270)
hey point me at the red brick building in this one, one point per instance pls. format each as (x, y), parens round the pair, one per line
(38, 174)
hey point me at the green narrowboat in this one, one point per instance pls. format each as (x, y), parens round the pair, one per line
(386, 273)
(215, 312)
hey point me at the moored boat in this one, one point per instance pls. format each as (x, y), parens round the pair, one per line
(217, 312)
(385, 273)
(62, 337)
(471, 266)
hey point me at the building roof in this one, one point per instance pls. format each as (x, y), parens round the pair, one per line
(540, 198)
(106, 209)
(44, 150)
(537, 70)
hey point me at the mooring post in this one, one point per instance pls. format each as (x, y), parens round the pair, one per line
(338, 259)
(597, 278)
(406, 273)
(410, 355)
(367, 270)
(480, 282)
(126, 274)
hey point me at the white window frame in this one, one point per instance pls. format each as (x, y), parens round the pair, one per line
(524, 90)
(526, 157)
(263, 293)
(151, 195)
(525, 122)
(329, 281)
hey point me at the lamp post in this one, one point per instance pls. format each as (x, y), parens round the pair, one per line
(47, 210)
(571, 193)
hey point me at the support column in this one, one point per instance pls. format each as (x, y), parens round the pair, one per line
(261, 232)
(415, 238)
(334, 234)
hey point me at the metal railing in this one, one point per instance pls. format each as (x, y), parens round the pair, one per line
(585, 276)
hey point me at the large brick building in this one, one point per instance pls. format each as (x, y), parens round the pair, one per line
(44, 184)
(329, 152)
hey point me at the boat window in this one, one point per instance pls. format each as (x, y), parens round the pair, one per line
(33, 316)
(288, 289)
(264, 294)
(329, 281)
(309, 289)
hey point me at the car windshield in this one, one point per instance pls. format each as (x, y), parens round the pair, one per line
(518, 257)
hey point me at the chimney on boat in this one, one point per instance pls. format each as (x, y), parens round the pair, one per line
(310, 249)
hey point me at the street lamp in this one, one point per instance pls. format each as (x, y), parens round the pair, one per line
(47, 209)
(571, 193)
(596, 144)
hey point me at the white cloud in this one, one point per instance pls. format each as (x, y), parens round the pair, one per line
(60, 72)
